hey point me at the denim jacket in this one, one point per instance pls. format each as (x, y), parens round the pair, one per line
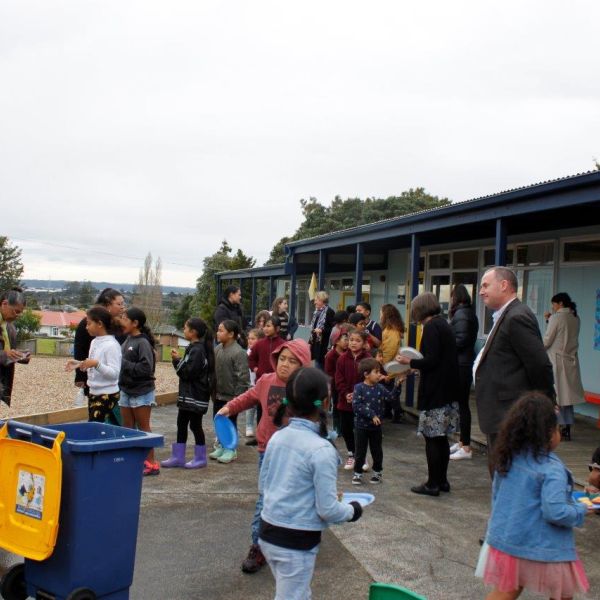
(533, 513)
(298, 479)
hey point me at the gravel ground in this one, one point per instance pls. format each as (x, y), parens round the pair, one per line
(44, 386)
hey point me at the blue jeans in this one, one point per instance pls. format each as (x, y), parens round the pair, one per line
(292, 570)
(259, 505)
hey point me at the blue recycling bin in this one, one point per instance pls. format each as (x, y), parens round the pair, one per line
(102, 474)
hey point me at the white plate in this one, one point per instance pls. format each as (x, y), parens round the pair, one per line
(362, 498)
(394, 367)
(411, 353)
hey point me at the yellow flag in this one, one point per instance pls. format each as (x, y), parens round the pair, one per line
(312, 288)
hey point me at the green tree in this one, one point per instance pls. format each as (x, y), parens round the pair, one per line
(205, 298)
(11, 266)
(86, 294)
(343, 214)
(182, 312)
(27, 324)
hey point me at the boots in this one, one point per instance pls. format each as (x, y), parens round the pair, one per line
(199, 459)
(177, 458)
(254, 561)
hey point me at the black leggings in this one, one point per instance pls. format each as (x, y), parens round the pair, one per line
(194, 420)
(465, 378)
(347, 427)
(368, 438)
(218, 405)
(437, 450)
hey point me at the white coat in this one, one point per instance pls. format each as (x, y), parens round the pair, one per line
(562, 342)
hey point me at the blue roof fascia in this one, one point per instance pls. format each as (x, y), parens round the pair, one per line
(558, 194)
(265, 271)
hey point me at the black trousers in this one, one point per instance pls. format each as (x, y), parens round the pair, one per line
(347, 427)
(437, 450)
(465, 378)
(368, 438)
(218, 405)
(192, 419)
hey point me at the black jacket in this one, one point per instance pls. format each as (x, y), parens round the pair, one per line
(226, 310)
(438, 385)
(137, 366)
(465, 325)
(194, 385)
(513, 361)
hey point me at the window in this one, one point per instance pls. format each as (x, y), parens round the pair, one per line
(439, 261)
(489, 257)
(581, 251)
(465, 259)
(535, 254)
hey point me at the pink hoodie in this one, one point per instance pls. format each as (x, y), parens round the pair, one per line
(269, 391)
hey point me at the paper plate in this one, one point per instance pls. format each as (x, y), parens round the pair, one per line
(363, 499)
(411, 353)
(394, 367)
(577, 496)
(226, 432)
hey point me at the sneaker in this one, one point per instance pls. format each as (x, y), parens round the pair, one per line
(249, 433)
(455, 448)
(216, 453)
(254, 561)
(349, 464)
(461, 454)
(357, 479)
(227, 456)
(366, 467)
(377, 477)
(151, 468)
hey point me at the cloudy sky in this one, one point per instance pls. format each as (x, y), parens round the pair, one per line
(128, 127)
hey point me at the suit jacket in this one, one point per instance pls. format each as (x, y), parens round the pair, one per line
(513, 361)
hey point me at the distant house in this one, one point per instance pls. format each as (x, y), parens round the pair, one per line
(168, 335)
(55, 323)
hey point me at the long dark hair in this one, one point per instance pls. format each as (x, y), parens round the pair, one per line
(107, 295)
(459, 296)
(137, 314)
(527, 427)
(305, 386)
(565, 300)
(206, 338)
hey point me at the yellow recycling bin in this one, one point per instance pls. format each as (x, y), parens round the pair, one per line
(30, 492)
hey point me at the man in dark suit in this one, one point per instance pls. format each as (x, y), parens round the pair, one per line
(513, 359)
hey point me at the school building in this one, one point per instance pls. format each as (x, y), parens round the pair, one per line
(549, 233)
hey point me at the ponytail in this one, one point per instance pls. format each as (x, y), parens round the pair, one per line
(137, 314)
(564, 299)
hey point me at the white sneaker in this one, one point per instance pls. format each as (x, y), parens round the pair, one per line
(455, 447)
(366, 467)
(349, 466)
(461, 454)
(249, 433)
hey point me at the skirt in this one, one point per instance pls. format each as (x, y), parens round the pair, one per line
(552, 579)
(438, 421)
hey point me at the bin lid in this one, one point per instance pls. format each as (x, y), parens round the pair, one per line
(101, 437)
(30, 493)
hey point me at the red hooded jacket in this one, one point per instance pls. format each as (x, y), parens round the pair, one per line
(260, 355)
(347, 376)
(269, 391)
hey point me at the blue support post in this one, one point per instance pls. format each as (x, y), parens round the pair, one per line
(415, 256)
(253, 301)
(271, 297)
(321, 282)
(358, 273)
(292, 303)
(500, 251)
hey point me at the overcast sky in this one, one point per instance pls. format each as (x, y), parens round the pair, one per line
(128, 127)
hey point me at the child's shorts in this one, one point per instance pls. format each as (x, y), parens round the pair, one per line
(127, 401)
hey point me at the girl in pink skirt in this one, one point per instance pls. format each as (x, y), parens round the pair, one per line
(529, 542)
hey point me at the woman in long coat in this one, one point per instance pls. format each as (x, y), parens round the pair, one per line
(562, 343)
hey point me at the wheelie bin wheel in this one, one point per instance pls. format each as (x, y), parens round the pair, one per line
(13, 585)
(81, 594)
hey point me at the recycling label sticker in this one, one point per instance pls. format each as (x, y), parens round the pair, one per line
(30, 494)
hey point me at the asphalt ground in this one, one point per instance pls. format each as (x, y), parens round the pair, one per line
(194, 529)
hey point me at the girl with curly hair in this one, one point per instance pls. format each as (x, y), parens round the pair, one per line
(529, 542)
